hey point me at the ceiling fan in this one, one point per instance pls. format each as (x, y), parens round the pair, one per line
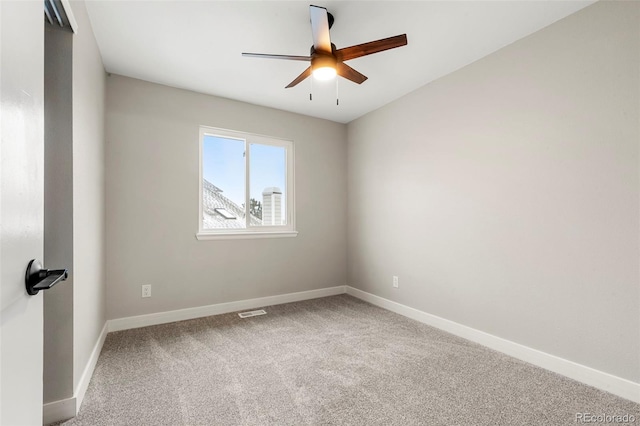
(326, 60)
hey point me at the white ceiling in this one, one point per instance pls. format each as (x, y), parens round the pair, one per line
(196, 45)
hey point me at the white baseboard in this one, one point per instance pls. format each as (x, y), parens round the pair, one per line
(57, 411)
(581, 373)
(220, 308)
(83, 384)
(68, 408)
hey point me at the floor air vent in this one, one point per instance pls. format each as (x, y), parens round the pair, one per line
(252, 313)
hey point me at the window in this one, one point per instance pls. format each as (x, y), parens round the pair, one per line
(246, 185)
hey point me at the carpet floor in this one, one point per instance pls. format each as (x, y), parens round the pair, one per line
(329, 361)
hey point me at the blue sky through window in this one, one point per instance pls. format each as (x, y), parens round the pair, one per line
(223, 164)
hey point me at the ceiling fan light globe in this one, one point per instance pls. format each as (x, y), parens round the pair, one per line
(324, 73)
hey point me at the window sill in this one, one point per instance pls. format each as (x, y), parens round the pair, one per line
(244, 235)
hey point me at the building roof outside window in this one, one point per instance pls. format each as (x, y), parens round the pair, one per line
(219, 212)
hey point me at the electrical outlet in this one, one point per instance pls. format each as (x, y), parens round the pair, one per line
(395, 282)
(146, 290)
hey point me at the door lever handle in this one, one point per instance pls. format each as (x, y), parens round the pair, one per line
(37, 278)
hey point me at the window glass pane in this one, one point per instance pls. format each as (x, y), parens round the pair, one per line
(268, 185)
(223, 186)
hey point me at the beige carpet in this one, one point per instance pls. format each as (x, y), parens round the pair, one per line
(329, 361)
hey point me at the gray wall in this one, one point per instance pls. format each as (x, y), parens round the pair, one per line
(505, 196)
(58, 212)
(88, 191)
(152, 203)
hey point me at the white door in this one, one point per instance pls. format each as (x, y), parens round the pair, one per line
(21, 208)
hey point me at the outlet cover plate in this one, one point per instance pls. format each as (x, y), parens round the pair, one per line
(146, 290)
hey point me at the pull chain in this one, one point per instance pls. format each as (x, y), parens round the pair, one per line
(337, 92)
(311, 90)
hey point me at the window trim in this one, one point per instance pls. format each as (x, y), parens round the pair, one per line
(288, 230)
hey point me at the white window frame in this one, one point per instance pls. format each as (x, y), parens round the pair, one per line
(288, 230)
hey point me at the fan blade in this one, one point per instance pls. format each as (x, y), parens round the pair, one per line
(306, 73)
(320, 29)
(364, 49)
(349, 73)
(290, 57)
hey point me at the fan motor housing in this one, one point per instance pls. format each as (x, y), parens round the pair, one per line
(321, 60)
(312, 50)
